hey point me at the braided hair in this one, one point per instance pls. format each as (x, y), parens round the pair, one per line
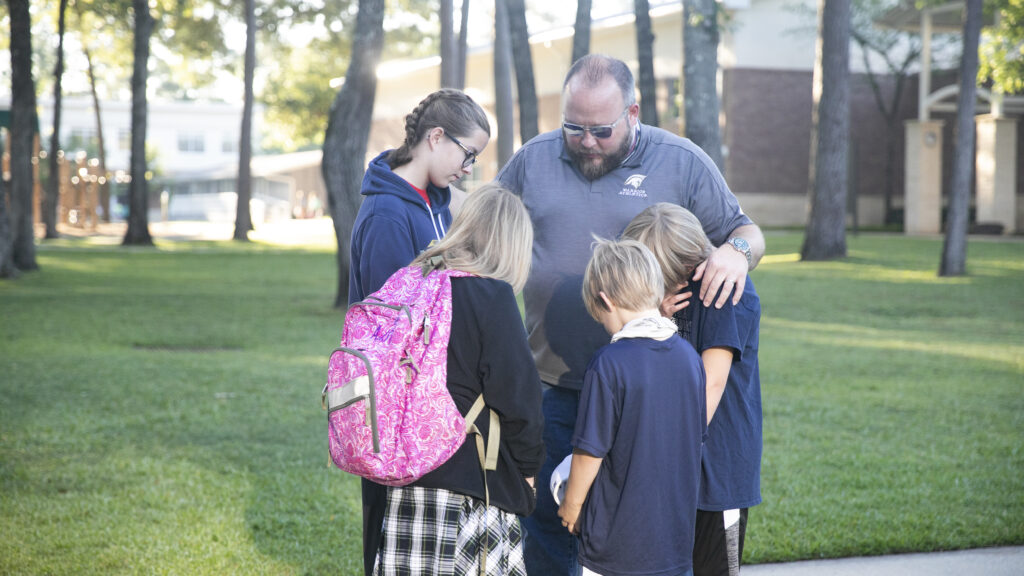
(452, 110)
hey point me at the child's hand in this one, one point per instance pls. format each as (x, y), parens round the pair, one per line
(569, 515)
(675, 300)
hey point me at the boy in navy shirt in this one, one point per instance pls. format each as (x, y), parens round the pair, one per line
(727, 340)
(632, 489)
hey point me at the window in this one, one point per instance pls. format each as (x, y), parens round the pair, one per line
(191, 142)
(229, 145)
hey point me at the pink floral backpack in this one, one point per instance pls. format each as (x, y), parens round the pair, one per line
(390, 416)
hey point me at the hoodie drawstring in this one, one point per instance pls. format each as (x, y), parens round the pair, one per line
(441, 223)
(437, 234)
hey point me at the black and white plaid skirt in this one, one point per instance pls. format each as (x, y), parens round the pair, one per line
(434, 532)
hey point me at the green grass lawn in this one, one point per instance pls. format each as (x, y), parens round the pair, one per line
(160, 408)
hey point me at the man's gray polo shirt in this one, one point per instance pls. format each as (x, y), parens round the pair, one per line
(567, 210)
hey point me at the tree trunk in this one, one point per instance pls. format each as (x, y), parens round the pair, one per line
(893, 127)
(581, 32)
(49, 208)
(449, 56)
(460, 70)
(138, 190)
(105, 184)
(523, 59)
(645, 62)
(348, 129)
(503, 107)
(700, 77)
(826, 231)
(24, 123)
(954, 248)
(243, 215)
(889, 108)
(7, 269)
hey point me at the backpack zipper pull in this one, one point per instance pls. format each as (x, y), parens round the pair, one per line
(426, 330)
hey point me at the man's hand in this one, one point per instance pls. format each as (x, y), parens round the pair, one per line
(726, 268)
(675, 300)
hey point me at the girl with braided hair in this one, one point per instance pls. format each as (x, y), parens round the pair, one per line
(405, 208)
(406, 190)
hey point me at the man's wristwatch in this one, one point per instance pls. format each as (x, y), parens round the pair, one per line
(744, 247)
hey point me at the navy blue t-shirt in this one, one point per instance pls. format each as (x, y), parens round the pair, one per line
(643, 410)
(731, 467)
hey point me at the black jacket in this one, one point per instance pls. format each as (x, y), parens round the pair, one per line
(488, 352)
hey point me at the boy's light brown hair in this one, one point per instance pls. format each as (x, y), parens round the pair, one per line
(676, 238)
(628, 274)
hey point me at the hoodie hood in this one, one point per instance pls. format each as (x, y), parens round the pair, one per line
(380, 179)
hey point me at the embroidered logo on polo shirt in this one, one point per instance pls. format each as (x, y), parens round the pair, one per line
(632, 186)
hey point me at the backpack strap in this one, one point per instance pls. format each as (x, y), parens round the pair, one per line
(488, 459)
(431, 264)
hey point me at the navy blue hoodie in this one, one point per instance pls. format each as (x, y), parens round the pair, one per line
(393, 226)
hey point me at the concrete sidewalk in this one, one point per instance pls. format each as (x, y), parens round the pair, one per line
(1007, 561)
(313, 232)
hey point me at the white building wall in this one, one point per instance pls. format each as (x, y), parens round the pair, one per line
(213, 124)
(770, 34)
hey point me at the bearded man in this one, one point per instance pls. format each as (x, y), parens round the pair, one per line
(591, 177)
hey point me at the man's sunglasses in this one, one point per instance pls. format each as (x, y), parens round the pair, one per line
(600, 132)
(470, 155)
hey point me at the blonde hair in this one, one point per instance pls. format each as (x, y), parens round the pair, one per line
(628, 274)
(492, 236)
(676, 238)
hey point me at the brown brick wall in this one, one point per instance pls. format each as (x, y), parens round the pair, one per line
(768, 132)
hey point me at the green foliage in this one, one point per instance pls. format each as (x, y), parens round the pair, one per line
(44, 26)
(189, 47)
(1001, 56)
(298, 97)
(412, 29)
(160, 411)
(102, 29)
(297, 91)
(301, 47)
(188, 50)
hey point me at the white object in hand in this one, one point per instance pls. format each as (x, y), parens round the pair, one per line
(560, 478)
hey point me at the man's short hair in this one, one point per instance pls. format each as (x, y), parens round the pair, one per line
(628, 274)
(592, 69)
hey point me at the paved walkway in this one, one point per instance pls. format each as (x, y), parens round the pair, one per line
(315, 232)
(1007, 561)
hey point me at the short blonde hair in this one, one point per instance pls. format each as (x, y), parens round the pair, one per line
(628, 274)
(676, 238)
(492, 236)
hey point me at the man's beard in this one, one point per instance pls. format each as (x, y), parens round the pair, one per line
(593, 170)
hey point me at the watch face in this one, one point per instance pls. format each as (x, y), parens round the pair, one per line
(740, 243)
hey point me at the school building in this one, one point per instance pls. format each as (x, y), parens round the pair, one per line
(766, 58)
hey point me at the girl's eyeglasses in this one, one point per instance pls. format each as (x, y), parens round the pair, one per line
(470, 155)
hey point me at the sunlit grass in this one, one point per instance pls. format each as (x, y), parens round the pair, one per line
(893, 399)
(160, 408)
(847, 336)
